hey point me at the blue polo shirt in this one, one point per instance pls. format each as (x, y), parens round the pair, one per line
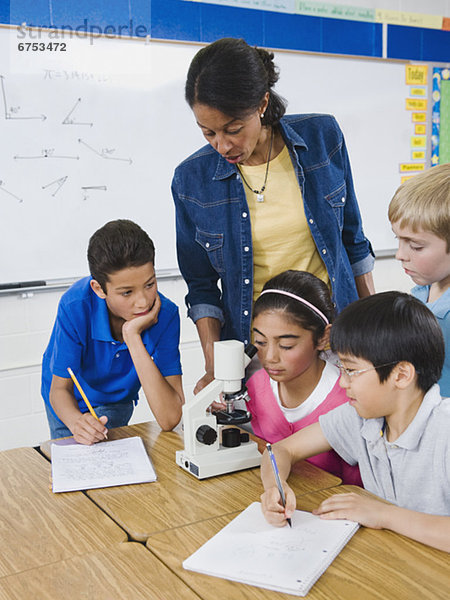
(82, 339)
(441, 310)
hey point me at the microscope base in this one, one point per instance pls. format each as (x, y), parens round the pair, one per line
(224, 460)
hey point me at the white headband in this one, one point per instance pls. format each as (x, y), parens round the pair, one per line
(302, 300)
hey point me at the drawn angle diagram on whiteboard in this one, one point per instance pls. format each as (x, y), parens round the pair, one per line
(46, 153)
(2, 189)
(58, 182)
(86, 188)
(93, 150)
(106, 153)
(12, 112)
(68, 120)
(53, 186)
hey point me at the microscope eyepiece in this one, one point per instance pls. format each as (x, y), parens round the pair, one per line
(250, 350)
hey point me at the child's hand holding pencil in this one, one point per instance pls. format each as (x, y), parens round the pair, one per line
(89, 428)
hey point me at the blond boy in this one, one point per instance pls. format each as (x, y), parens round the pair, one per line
(420, 216)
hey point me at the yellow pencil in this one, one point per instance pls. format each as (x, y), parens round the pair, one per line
(83, 395)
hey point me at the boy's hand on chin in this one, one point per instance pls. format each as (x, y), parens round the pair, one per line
(141, 323)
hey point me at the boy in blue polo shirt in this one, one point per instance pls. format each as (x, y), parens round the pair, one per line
(117, 333)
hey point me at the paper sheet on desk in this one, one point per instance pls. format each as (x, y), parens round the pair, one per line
(251, 551)
(106, 464)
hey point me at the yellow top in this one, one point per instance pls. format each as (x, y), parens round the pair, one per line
(280, 233)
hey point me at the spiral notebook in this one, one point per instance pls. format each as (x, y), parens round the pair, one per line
(117, 462)
(289, 560)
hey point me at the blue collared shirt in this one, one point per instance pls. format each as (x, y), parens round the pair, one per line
(441, 310)
(82, 339)
(214, 242)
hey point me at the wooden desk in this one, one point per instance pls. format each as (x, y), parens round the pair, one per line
(374, 565)
(177, 498)
(38, 527)
(124, 572)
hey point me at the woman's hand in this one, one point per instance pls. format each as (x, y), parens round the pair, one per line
(218, 404)
(203, 382)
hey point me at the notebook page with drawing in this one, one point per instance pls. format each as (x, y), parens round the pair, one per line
(251, 551)
(117, 462)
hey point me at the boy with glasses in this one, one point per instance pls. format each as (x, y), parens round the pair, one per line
(395, 425)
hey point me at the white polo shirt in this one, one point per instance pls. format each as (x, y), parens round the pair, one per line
(414, 471)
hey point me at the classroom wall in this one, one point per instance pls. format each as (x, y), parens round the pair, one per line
(26, 320)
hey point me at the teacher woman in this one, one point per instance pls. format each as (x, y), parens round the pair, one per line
(268, 192)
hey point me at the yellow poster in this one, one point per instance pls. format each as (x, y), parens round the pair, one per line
(397, 17)
(416, 74)
(418, 91)
(420, 129)
(418, 154)
(416, 104)
(418, 141)
(419, 117)
(409, 167)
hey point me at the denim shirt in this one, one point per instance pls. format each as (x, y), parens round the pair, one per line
(214, 242)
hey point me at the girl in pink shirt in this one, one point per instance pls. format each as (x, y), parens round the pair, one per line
(291, 326)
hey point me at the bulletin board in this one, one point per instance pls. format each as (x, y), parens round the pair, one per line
(440, 139)
(94, 133)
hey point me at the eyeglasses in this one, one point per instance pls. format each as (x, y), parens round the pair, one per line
(352, 373)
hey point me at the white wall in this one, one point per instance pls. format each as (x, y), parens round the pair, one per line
(25, 325)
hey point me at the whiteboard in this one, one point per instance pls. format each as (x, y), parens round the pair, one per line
(94, 133)
(88, 135)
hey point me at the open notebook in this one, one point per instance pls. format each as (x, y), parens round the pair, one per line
(117, 462)
(289, 560)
